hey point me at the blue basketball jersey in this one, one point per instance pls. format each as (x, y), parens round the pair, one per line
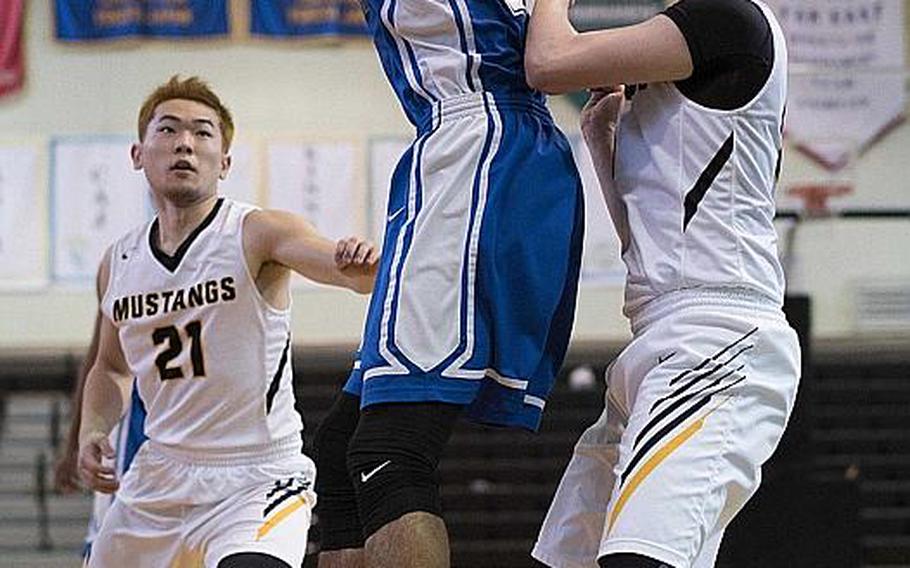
(475, 294)
(432, 50)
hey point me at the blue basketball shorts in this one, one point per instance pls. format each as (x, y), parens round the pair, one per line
(475, 297)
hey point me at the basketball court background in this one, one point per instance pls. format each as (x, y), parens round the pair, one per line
(841, 484)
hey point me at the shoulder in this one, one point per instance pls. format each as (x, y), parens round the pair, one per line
(266, 222)
(719, 27)
(731, 43)
(103, 276)
(122, 249)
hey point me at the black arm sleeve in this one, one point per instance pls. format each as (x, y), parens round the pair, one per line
(732, 50)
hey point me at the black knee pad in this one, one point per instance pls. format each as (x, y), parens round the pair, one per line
(392, 460)
(629, 560)
(336, 506)
(252, 560)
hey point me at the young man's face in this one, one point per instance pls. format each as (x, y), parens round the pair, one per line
(182, 153)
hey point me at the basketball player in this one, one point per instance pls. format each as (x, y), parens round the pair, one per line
(125, 438)
(196, 307)
(475, 296)
(699, 399)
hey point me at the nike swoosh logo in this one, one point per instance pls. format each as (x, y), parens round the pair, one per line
(391, 217)
(365, 476)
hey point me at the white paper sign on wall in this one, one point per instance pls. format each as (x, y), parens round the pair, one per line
(96, 197)
(23, 223)
(317, 182)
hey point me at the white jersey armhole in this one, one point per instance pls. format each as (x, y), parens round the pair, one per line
(249, 275)
(105, 298)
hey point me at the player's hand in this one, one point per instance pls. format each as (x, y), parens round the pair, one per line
(66, 472)
(356, 254)
(92, 469)
(600, 115)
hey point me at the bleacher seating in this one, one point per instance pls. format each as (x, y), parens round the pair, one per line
(497, 483)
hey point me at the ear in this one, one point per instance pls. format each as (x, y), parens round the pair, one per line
(225, 166)
(136, 155)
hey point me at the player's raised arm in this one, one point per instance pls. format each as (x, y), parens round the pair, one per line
(559, 59)
(107, 390)
(291, 241)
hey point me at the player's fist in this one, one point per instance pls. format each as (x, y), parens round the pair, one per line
(95, 457)
(355, 252)
(357, 259)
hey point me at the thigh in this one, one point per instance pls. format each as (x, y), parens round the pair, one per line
(710, 395)
(134, 537)
(272, 519)
(571, 531)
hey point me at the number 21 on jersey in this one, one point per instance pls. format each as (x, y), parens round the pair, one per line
(170, 337)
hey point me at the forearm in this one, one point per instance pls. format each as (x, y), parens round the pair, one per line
(72, 439)
(601, 147)
(559, 59)
(105, 397)
(314, 259)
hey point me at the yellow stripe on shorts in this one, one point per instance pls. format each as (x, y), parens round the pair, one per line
(281, 515)
(652, 463)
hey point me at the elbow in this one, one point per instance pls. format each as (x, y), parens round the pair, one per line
(542, 72)
(539, 71)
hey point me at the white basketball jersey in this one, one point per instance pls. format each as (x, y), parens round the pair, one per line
(211, 358)
(693, 195)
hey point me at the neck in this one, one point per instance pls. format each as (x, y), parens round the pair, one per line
(176, 222)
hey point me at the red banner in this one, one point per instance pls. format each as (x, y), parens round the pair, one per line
(11, 71)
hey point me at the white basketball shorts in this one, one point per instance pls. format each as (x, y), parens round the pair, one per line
(175, 509)
(696, 403)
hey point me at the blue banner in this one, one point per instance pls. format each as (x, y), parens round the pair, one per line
(80, 20)
(306, 18)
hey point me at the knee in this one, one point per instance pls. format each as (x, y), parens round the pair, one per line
(392, 460)
(629, 560)
(252, 560)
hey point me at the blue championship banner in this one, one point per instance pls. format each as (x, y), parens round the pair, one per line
(81, 20)
(306, 18)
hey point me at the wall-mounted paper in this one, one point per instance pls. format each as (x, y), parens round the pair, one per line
(242, 180)
(317, 182)
(22, 220)
(96, 197)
